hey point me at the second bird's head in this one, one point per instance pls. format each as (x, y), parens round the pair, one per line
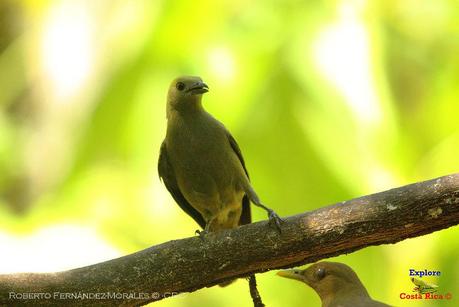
(326, 278)
(186, 90)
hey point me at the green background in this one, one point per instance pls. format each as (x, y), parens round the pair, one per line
(329, 100)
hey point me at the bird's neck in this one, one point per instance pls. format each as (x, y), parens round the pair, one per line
(187, 108)
(341, 296)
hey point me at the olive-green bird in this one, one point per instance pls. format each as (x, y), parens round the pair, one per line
(336, 284)
(201, 164)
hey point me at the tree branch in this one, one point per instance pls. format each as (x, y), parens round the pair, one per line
(189, 264)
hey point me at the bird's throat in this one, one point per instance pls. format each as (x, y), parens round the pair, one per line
(188, 107)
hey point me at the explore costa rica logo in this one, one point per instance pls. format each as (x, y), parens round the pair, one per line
(424, 290)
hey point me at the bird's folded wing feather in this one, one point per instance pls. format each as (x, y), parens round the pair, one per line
(246, 215)
(166, 173)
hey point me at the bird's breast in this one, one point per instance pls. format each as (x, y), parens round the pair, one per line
(208, 171)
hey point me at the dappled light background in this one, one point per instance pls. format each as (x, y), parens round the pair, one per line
(329, 100)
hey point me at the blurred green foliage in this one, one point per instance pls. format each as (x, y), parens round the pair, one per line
(329, 100)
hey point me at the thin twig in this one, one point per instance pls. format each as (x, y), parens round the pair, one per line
(256, 298)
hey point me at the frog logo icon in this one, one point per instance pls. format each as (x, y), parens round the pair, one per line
(423, 287)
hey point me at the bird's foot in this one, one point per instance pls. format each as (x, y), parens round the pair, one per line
(201, 233)
(275, 220)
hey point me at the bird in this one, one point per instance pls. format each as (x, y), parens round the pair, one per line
(336, 284)
(201, 163)
(202, 167)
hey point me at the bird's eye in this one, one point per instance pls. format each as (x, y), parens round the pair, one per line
(320, 273)
(180, 86)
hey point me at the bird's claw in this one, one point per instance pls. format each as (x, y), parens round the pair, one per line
(275, 220)
(201, 233)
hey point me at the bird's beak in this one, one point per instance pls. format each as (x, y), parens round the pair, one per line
(198, 88)
(291, 274)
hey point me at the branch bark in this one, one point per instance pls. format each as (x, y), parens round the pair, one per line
(189, 264)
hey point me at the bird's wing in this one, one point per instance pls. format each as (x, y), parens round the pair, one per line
(237, 151)
(246, 215)
(166, 173)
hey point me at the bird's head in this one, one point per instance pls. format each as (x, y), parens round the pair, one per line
(186, 91)
(327, 278)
